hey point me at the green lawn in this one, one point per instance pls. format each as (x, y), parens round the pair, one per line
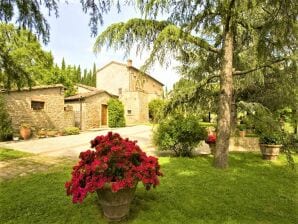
(191, 191)
(8, 154)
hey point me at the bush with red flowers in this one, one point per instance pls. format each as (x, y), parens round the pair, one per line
(115, 160)
(211, 139)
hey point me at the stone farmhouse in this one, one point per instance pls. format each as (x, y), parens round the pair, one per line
(90, 107)
(45, 106)
(134, 88)
(41, 107)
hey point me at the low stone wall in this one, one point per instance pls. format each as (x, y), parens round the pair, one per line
(237, 144)
(244, 144)
(69, 118)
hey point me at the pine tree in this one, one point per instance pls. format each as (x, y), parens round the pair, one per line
(79, 75)
(94, 75)
(63, 66)
(89, 78)
(223, 37)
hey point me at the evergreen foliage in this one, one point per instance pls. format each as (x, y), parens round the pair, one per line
(89, 77)
(23, 62)
(216, 42)
(29, 15)
(5, 122)
(116, 113)
(156, 108)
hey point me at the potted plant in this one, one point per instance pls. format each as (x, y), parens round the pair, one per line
(25, 131)
(242, 130)
(113, 169)
(270, 144)
(211, 141)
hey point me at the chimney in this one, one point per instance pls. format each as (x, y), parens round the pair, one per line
(129, 63)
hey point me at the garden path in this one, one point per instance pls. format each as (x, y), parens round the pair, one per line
(72, 145)
(28, 165)
(50, 152)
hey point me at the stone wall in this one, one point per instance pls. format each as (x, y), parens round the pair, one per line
(135, 107)
(52, 116)
(75, 105)
(112, 77)
(91, 110)
(244, 144)
(69, 118)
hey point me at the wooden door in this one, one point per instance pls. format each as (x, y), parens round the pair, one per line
(104, 115)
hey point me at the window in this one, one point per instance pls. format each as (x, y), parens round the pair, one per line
(128, 111)
(119, 91)
(37, 105)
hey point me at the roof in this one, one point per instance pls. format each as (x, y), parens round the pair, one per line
(86, 95)
(91, 88)
(38, 88)
(132, 67)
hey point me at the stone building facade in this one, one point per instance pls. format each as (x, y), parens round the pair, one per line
(41, 107)
(90, 108)
(133, 87)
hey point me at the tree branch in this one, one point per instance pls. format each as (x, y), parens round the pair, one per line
(258, 67)
(229, 16)
(202, 43)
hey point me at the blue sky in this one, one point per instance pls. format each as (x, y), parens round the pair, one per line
(70, 38)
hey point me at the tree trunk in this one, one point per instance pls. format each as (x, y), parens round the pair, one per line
(295, 116)
(225, 98)
(233, 114)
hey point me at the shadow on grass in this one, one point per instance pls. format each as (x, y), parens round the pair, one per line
(191, 191)
(250, 191)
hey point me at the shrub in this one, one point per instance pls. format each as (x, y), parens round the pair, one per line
(242, 127)
(116, 113)
(71, 131)
(179, 134)
(115, 160)
(156, 107)
(5, 122)
(271, 138)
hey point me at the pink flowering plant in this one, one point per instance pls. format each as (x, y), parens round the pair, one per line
(116, 161)
(211, 139)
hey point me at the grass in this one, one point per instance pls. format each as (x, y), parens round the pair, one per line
(8, 154)
(191, 191)
(207, 124)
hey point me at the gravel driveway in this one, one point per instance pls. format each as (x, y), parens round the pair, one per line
(72, 145)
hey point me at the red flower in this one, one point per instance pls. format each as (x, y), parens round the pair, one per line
(114, 160)
(211, 139)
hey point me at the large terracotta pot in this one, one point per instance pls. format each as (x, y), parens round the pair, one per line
(115, 205)
(270, 152)
(25, 133)
(242, 134)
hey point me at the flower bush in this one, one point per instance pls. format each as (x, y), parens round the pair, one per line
(211, 139)
(115, 160)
